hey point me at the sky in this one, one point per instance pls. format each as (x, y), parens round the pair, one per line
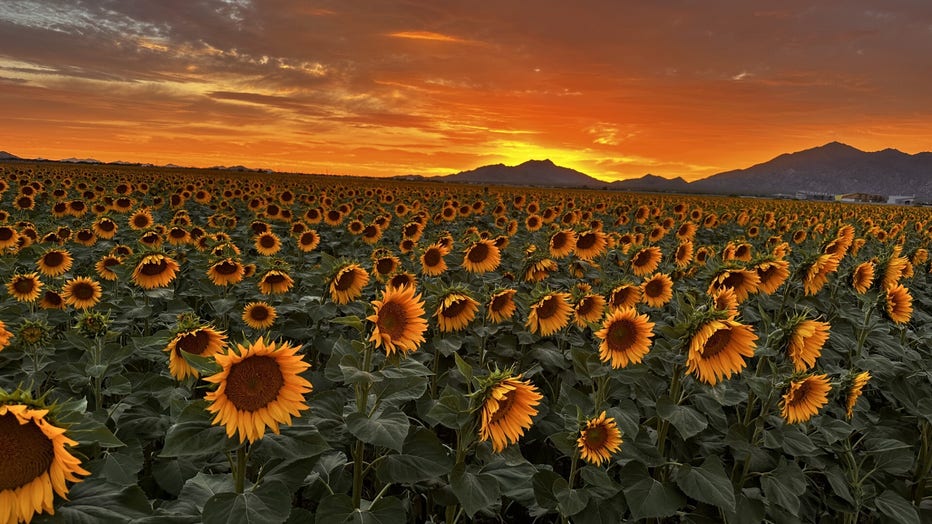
(615, 89)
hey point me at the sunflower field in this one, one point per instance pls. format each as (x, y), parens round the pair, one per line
(208, 346)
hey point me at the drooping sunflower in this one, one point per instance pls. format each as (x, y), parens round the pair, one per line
(684, 254)
(805, 343)
(549, 314)
(51, 299)
(347, 283)
(507, 410)
(24, 287)
(590, 244)
(5, 336)
(501, 306)
(804, 398)
(899, 304)
(657, 290)
(772, 273)
(562, 243)
(225, 272)
(539, 269)
(155, 271)
(725, 300)
(260, 387)
(204, 341)
(54, 262)
(105, 265)
(895, 269)
(36, 463)
(817, 273)
(399, 280)
(482, 256)
(105, 228)
(854, 393)
(742, 281)
(275, 282)
(81, 292)
(8, 237)
(599, 440)
(645, 261)
(267, 243)
(589, 308)
(455, 311)
(259, 315)
(626, 337)
(399, 320)
(718, 348)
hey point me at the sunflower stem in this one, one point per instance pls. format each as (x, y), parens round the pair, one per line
(362, 398)
(239, 474)
(663, 426)
(572, 479)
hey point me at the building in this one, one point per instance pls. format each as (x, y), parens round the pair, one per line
(903, 200)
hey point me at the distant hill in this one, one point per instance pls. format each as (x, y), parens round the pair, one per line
(833, 168)
(8, 156)
(652, 183)
(531, 173)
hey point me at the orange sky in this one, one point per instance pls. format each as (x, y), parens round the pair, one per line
(613, 89)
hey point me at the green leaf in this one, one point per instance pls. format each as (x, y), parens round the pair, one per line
(198, 490)
(542, 483)
(423, 457)
(294, 442)
(352, 321)
(84, 428)
(338, 509)
(891, 504)
(452, 410)
(648, 498)
(399, 390)
(687, 421)
(464, 368)
(269, 503)
(387, 427)
(707, 483)
(97, 500)
(206, 366)
(194, 435)
(475, 492)
(780, 493)
(569, 501)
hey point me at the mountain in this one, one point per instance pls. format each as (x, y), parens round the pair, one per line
(652, 183)
(530, 173)
(8, 156)
(833, 168)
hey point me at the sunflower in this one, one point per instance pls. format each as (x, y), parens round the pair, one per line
(599, 439)
(657, 290)
(383, 266)
(626, 337)
(716, 350)
(455, 312)
(817, 273)
(8, 237)
(399, 320)
(399, 280)
(35, 463)
(725, 300)
(624, 295)
(308, 241)
(154, 271)
(562, 243)
(590, 244)
(104, 267)
(684, 254)
(645, 261)
(501, 306)
(589, 308)
(203, 341)
(81, 292)
(225, 272)
(105, 228)
(52, 300)
(267, 244)
(895, 270)
(857, 385)
(507, 409)
(275, 281)
(862, 277)
(5, 335)
(806, 341)
(549, 314)
(141, 220)
(772, 275)
(804, 398)
(259, 315)
(742, 281)
(347, 283)
(54, 262)
(432, 263)
(899, 304)
(539, 270)
(481, 256)
(24, 288)
(259, 387)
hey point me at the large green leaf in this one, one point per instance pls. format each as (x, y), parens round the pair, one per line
(270, 503)
(97, 500)
(423, 457)
(687, 421)
(387, 427)
(647, 497)
(339, 509)
(194, 434)
(707, 483)
(475, 492)
(891, 504)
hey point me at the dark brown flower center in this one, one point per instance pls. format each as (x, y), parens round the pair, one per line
(82, 291)
(52, 298)
(308, 238)
(558, 241)
(227, 267)
(140, 221)
(195, 342)
(345, 279)
(586, 241)
(392, 320)
(478, 253)
(504, 406)
(53, 259)
(371, 231)
(85, 235)
(654, 288)
(642, 258)
(6, 233)
(267, 241)
(259, 313)
(151, 269)
(500, 302)
(432, 257)
(801, 393)
(455, 309)
(547, 308)
(620, 335)
(596, 437)
(254, 383)
(27, 453)
(24, 285)
(734, 280)
(274, 278)
(717, 343)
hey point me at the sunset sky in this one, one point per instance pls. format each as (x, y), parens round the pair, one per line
(615, 89)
